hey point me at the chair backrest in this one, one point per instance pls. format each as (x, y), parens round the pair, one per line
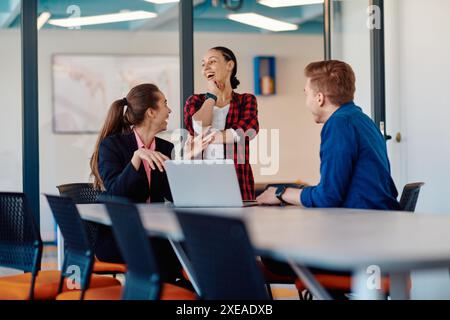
(79, 256)
(79, 192)
(410, 195)
(142, 280)
(20, 241)
(223, 259)
(82, 193)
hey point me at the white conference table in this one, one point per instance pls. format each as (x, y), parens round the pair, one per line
(394, 242)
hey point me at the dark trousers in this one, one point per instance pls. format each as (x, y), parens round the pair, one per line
(106, 250)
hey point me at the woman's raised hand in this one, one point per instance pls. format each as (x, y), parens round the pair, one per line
(195, 146)
(214, 88)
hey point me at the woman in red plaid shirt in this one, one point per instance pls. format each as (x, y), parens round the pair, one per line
(232, 116)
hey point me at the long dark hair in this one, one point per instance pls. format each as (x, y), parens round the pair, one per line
(137, 101)
(229, 56)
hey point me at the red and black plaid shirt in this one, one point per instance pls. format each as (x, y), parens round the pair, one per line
(243, 118)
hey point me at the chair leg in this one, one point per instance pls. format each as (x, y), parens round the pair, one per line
(181, 282)
(269, 290)
(83, 292)
(305, 295)
(33, 282)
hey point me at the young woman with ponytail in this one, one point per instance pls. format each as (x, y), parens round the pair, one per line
(128, 161)
(232, 117)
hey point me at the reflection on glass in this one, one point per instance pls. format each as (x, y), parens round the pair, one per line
(350, 42)
(10, 91)
(259, 16)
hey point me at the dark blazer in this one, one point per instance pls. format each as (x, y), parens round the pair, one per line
(119, 176)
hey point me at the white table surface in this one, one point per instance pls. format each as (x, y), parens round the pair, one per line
(335, 239)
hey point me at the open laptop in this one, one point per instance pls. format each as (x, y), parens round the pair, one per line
(204, 183)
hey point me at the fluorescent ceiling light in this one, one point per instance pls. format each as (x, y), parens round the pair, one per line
(288, 3)
(262, 22)
(104, 18)
(43, 18)
(162, 1)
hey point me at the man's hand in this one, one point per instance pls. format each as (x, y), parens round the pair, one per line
(291, 196)
(268, 197)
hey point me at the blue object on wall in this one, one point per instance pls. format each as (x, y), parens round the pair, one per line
(264, 75)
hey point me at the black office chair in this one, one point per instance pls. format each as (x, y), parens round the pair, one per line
(409, 197)
(142, 280)
(20, 242)
(85, 193)
(223, 259)
(80, 192)
(79, 254)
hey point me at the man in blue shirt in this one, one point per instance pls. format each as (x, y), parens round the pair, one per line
(355, 170)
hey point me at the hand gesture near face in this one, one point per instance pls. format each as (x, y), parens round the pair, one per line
(195, 146)
(214, 88)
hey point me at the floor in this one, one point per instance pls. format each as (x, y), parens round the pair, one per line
(284, 292)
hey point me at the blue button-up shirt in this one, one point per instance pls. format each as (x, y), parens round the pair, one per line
(354, 169)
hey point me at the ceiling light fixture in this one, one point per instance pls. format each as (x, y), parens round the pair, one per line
(288, 3)
(101, 19)
(262, 22)
(162, 1)
(43, 18)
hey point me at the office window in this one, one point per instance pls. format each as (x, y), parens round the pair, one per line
(90, 53)
(11, 93)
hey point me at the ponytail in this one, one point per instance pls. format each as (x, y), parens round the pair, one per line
(229, 56)
(114, 124)
(234, 82)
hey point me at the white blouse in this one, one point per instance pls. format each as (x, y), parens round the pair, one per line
(215, 151)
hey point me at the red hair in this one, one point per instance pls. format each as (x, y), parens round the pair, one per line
(335, 79)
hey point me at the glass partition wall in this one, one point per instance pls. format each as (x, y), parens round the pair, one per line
(350, 42)
(11, 104)
(11, 93)
(92, 52)
(273, 42)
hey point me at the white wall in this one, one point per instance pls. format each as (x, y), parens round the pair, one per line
(418, 84)
(65, 158)
(424, 85)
